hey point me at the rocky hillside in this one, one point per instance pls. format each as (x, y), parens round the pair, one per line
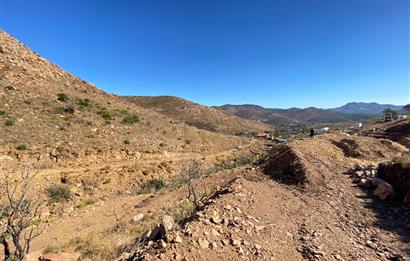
(276, 117)
(197, 115)
(50, 113)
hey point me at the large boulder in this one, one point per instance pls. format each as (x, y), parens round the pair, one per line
(383, 189)
(160, 231)
(397, 173)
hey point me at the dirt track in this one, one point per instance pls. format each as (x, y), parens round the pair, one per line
(333, 219)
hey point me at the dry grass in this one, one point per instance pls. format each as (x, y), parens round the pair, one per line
(123, 236)
(404, 161)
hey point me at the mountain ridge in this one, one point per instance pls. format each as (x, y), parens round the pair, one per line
(309, 115)
(366, 108)
(197, 115)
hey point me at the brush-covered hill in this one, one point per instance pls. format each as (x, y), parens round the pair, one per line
(314, 115)
(256, 113)
(48, 112)
(371, 108)
(197, 115)
(309, 115)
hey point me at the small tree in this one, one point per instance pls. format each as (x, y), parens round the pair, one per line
(393, 113)
(19, 210)
(191, 171)
(407, 108)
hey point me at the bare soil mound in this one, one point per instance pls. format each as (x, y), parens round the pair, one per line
(367, 148)
(314, 161)
(284, 165)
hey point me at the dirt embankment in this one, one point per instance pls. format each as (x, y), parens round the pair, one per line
(398, 131)
(312, 162)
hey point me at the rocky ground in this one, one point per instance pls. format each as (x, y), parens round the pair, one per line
(257, 218)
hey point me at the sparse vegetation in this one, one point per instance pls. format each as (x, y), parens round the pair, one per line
(188, 141)
(94, 247)
(131, 119)
(121, 111)
(2, 112)
(22, 147)
(59, 193)
(127, 141)
(10, 122)
(62, 97)
(84, 102)
(82, 203)
(241, 160)
(106, 115)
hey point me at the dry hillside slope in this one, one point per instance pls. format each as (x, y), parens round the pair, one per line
(51, 113)
(197, 115)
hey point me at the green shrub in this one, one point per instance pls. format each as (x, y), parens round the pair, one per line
(21, 147)
(84, 102)
(188, 141)
(85, 202)
(122, 111)
(2, 112)
(241, 160)
(59, 193)
(131, 119)
(127, 141)
(151, 186)
(106, 115)
(62, 97)
(10, 122)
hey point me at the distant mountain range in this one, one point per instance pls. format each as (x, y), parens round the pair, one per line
(371, 108)
(349, 112)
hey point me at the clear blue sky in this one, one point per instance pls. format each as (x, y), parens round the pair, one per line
(275, 53)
